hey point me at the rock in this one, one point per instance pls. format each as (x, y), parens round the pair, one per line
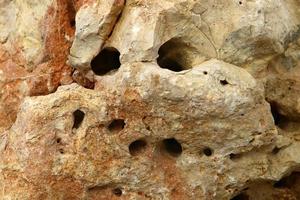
(173, 100)
(34, 44)
(150, 133)
(94, 23)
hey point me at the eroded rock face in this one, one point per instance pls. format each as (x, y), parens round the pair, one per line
(177, 99)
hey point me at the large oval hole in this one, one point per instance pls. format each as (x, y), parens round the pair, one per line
(173, 55)
(106, 61)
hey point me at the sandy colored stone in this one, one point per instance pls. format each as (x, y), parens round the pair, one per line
(193, 107)
(173, 100)
(34, 43)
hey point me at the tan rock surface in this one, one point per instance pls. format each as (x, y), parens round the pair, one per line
(161, 109)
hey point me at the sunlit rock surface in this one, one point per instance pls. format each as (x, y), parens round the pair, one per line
(149, 99)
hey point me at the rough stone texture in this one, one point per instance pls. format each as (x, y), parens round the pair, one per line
(175, 99)
(34, 43)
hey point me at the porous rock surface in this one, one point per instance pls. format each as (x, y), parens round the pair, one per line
(150, 99)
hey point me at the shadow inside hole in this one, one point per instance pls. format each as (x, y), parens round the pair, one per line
(224, 82)
(117, 191)
(234, 156)
(278, 118)
(106, 61)
(207, 151)
(241, 196)
(58, 140)
(137, 147)
(173, 55)
(172, 147)
(116, 125)
(275, 150)
(78, 117)
(289, 181)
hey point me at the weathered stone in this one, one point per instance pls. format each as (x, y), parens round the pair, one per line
(162, 108)
(34, 44)
(178, 124)
(94, 23)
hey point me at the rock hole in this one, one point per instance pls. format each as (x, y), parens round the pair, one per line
(240, 2)
(234, 156)
(241, 196)
(172, 146)
(117, 191)
(207, 151)
(277, 117)
(171, 55)
(61, 151)
(205, 72)
(137, 147)
(224, 82)
(78, 117)
(275, 150)
(106, 61)
(290, 181)
(116, 125)
(58, 140)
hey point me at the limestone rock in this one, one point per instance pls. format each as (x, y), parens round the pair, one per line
(94, 23)
(34, 44)
(173, 100)
(150, 133)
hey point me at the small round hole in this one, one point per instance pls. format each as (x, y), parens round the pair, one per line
(172, 146)
(240, 2)
(58, 140)
(78, 116)
(137, 147)
(106, 61)
(207, 151)
(117, 191)
(205, 72)
(224, 82)
(116, 125)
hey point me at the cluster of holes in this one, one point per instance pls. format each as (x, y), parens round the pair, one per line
(108, 60)
(170, 145)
